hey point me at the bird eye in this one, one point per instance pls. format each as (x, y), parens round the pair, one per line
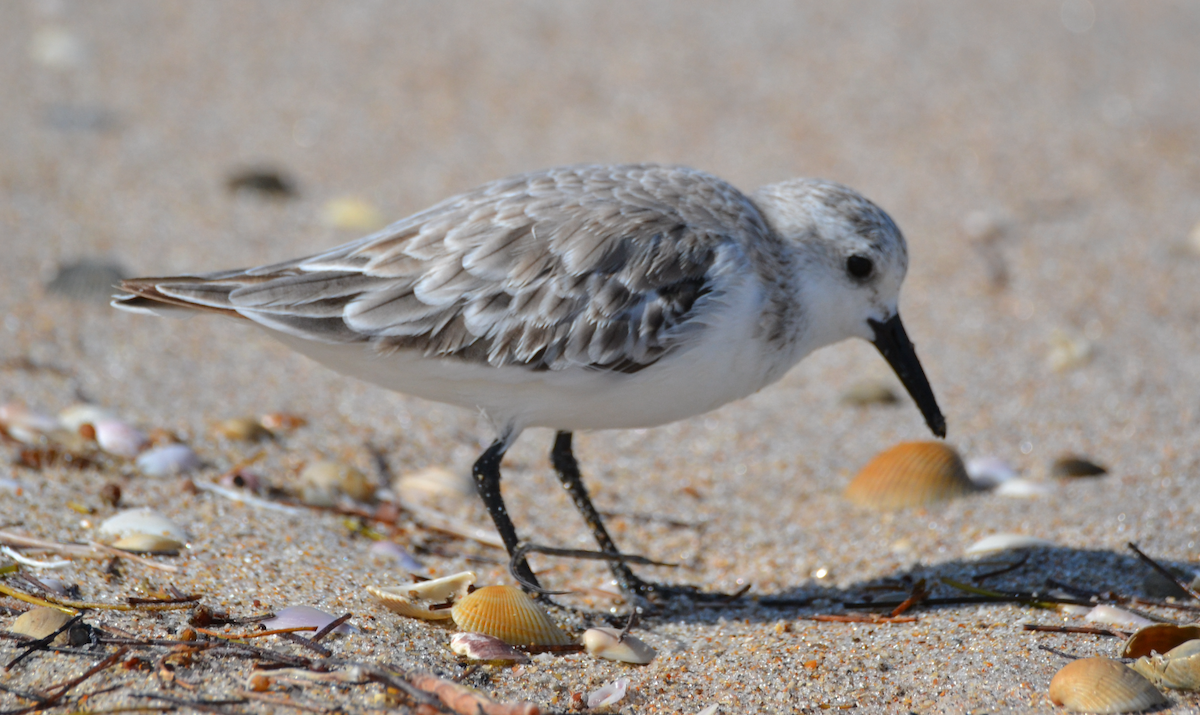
(859, 266)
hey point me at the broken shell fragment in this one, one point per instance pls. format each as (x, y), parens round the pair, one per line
(167, 459)
(144, 522)
(910, 474)
(1178, 668)
(24, 424)
(323, 481)
(1101, 685)
(305, 616)
(607, 643)
(147, 544)
(120, 439)
(418, 600)
(608, 694)
(989, 472)
(509, 614)
(478, 646)
(1006, 542)
(1159, 638)
(433, 482)
(1113, 616)
(241, 429)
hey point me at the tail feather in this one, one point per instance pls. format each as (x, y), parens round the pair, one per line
(158, 295)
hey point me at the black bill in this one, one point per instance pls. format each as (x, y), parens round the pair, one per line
(893, 342)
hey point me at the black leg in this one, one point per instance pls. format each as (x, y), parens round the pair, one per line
(487, 482)
(563, 459)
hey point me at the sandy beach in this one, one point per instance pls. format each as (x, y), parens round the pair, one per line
(1041, 158)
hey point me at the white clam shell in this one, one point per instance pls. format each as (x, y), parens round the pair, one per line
(1005, 542)
(167, 459)
(433, 482)
(120, 438)
(143, 521)
(417, 599)
(147, 544)
(608, 694)
(1113, 616)
(607, 643)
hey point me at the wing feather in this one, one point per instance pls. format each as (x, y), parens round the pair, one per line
(604, 267)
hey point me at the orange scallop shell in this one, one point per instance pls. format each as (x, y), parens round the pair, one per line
(508, 614)
(1101, 685)
(910, 474)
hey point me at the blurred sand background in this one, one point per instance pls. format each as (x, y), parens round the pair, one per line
(1042, 158)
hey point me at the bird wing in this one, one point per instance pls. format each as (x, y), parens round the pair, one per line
(607, 267)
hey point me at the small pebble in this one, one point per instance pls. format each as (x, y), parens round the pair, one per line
(1073, 466)
(265, 182)
(352, 213)
(241, 429)
(869, 392)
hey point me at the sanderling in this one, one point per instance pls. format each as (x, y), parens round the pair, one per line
(584, 297)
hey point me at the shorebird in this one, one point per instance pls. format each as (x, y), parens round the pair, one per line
(584, 298)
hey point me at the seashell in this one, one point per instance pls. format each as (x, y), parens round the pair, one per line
(416, 600)
(989, 472)
(323, 481)
(433, 482)
(1159, 638)
(1006, 542)
(142, 521)
(82, 414)
(300, 616)
(507, 613)
(1113, 616)
(1022, 488)
(710, 710)
(24, 424)
(167, 459)
(1178, 668)
(1072, 466)
(281, 422)
(1101, 685)
(147, 544)
(1068, 352)
(120, 438)
(41, 622)
(478, 646)
(608, 694)
(869, 392)
(241, 429)
(392, 550)
(910, 474)
(607, 643)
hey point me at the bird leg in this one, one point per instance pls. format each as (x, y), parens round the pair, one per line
(487, 482)
(563, 459)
